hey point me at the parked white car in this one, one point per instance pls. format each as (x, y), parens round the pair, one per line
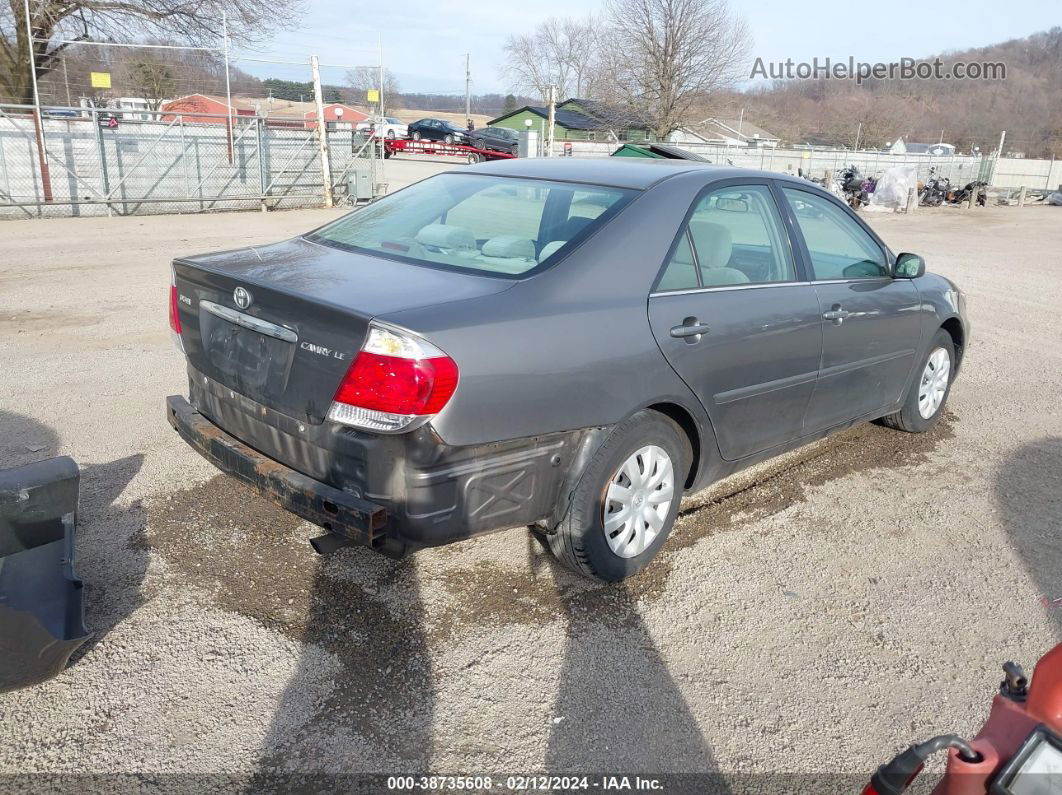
(388, 127)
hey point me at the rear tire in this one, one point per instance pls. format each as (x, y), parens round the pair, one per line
(928, 394)
(416, 135)
(632, 486)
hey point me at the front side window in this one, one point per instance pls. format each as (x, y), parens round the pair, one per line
(839, 247)
(494, 225)
(734, 236)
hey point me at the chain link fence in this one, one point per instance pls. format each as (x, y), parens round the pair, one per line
(1000, 172)
(96, 162)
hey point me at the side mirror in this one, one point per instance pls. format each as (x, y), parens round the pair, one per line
(909, 266)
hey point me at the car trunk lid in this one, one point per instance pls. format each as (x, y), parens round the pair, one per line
(280, 324)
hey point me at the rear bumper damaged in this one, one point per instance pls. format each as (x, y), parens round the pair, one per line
(394, 493)
(342, 514)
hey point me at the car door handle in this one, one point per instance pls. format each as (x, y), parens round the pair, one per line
(836, 314)
(690, 330)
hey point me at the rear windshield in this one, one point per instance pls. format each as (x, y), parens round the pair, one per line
(495, 225)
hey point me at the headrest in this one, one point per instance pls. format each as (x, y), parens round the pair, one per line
(550, 249)
(443, 236)
(713, 242)
(509, 246)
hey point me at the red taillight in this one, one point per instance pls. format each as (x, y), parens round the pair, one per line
(398, 386)
(175, 319)
(395, 381)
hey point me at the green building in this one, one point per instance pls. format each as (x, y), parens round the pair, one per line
(578, 120)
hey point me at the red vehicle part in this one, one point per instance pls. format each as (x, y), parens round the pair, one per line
(470, 153)
(972, 767)
(1009, 723)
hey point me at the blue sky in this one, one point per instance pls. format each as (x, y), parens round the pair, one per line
(424, 41)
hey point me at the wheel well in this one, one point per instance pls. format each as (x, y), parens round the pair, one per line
(683, 419)
(954, 328)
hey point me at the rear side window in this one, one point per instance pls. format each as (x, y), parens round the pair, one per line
(839, 247)
(734, 236)
(471, 222)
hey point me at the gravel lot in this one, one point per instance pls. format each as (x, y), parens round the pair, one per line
(811, 616)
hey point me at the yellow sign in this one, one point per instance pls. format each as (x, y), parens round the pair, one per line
(372, 95)
(100, 79)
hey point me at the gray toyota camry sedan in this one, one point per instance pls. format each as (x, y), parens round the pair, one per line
(565, 344)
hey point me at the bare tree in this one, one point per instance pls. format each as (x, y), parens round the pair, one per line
(366, 78)
(150, 78)
(119, 20)
(661, 56)
(558, 53)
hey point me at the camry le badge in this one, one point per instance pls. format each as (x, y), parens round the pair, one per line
(241, 297)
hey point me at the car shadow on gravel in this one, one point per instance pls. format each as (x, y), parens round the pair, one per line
(377, 692)
(106, 561)
(1029, 494)
(618, 709)
(360, 697)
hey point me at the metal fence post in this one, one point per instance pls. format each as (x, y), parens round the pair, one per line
(263, 187)
(184, 156)
(105, 183)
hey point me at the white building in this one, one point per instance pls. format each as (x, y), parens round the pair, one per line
(725, 132)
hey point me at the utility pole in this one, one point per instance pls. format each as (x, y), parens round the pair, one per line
(228, 91)
(468, 89)
(38, 121)
(66, 81)
(322, 132)
(859, 130)
(379, 46)
(552, 120)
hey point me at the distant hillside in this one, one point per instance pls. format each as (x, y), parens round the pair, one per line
(1027, 104)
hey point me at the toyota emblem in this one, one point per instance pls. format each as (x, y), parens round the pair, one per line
(241, 297)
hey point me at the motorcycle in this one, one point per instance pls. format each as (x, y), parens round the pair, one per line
(978, 189)
(935, 190)
(1017, 752)
(854, 187)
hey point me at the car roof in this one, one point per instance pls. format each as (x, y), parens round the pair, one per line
(618, 172)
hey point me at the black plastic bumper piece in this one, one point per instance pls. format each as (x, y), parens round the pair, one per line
(352, 518)
(42, 614)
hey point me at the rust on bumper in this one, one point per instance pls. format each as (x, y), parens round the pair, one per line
(340, 513)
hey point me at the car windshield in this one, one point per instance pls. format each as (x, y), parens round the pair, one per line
(494, 225)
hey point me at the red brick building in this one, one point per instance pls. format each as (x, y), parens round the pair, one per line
(194, 104)
(279, 113)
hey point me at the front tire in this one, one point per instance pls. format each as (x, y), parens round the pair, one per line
(928, 394)
(449, 139)
(626, 501)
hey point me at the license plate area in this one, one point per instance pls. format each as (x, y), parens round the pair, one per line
(250, 359)
(1036, 769)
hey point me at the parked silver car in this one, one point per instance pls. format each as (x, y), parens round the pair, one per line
(567, 344)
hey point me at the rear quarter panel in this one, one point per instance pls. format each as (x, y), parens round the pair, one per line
(571, 347)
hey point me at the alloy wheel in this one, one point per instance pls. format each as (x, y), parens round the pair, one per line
(637, 501)
(934, 383)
